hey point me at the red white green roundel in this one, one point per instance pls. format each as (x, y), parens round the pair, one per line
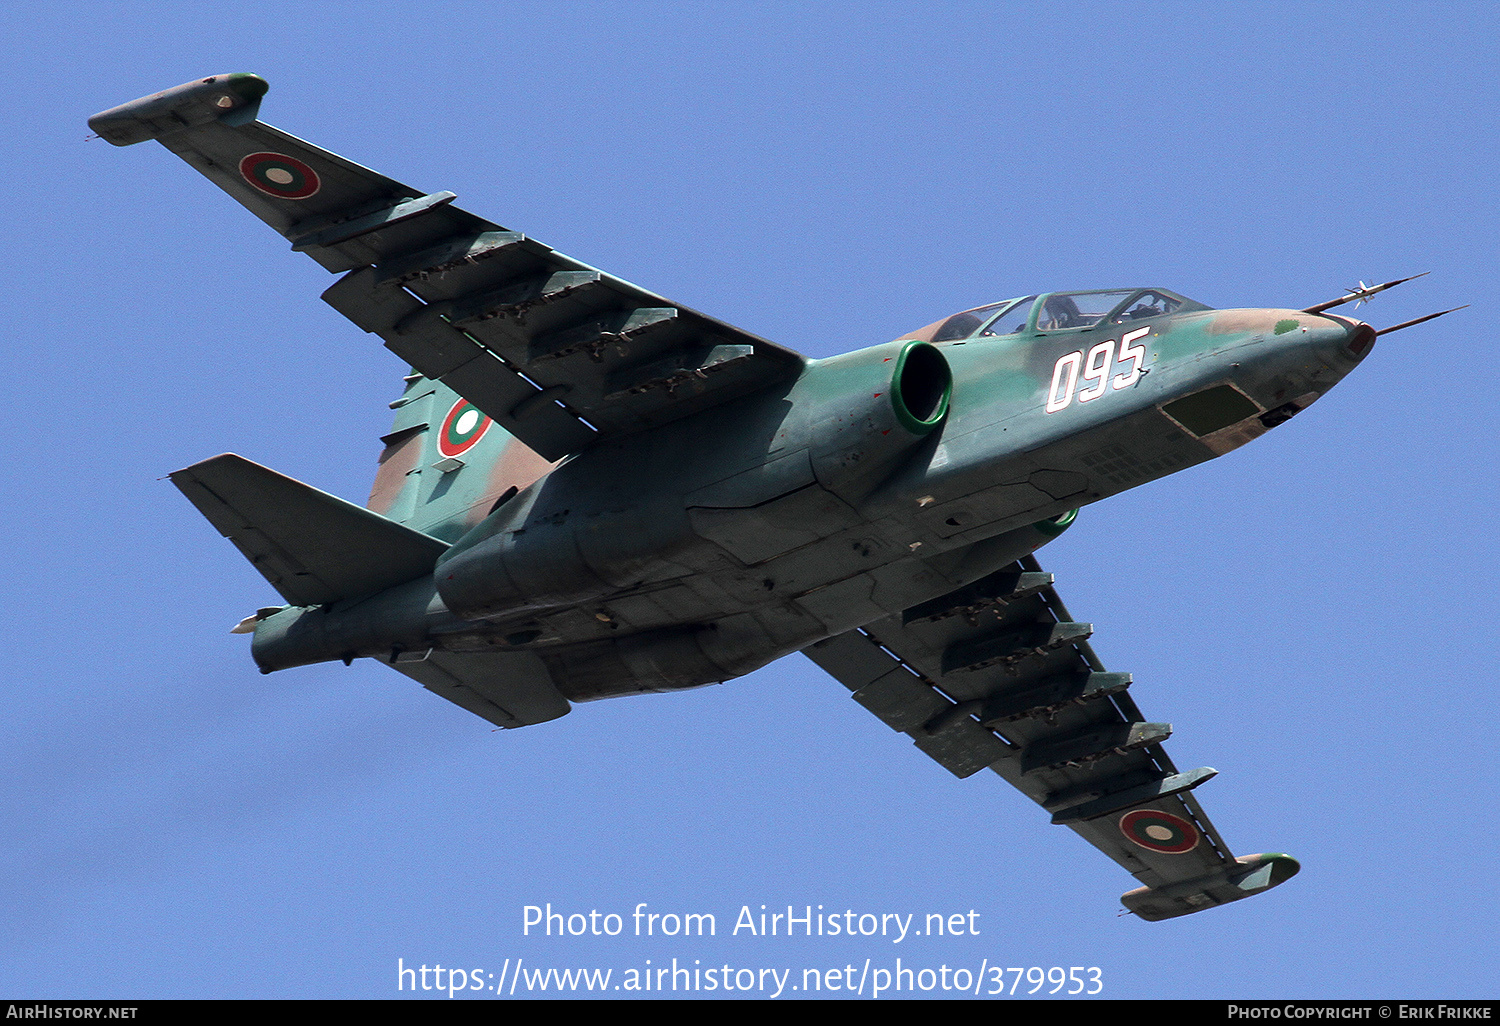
(1159, 831)
(276, 174)
(461, 428)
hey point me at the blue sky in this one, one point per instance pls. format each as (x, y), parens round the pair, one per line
(1314, 613)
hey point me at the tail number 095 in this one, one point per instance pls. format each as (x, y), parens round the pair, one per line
(1093, 369)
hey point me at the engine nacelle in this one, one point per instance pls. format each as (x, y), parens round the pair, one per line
(871, 409)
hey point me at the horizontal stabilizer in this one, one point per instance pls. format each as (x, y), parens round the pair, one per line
(510, 689)
(313, 547)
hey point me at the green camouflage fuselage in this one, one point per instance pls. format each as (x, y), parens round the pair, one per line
(591, 490)
(709, 546)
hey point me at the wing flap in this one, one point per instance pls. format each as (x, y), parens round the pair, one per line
(999, 675)
(313, 547)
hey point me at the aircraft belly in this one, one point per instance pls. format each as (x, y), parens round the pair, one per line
(679, 656)
(633, 592)
(978, 510)
(710, 627)
(674, 604)
(561, 549)
(665, 660)
(1119, 455)
(1049, 465)
(756, 534)
(901, 584)
(640, 545)
(779, 474)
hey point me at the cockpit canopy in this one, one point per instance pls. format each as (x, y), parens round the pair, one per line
(1056, 311)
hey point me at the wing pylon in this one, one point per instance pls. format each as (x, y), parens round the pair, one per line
(999, 675)
(558, 353)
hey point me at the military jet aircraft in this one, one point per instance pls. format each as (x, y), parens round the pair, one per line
(591, 491)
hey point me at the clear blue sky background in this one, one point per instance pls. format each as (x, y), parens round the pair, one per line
(1315, 613)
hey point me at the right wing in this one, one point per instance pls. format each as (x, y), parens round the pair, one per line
(555, 351)
(998, 675)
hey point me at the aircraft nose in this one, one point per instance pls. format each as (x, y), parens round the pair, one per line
(1339, 343)
(1355, 339)
(1344, 341)
(1303, 355)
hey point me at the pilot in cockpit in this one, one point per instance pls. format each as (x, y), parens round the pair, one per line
(1060, 312)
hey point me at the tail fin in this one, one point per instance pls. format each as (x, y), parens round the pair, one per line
(313, 547)
(316, 549)
(446, 465)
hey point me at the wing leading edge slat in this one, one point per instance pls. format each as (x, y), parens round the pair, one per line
(998, 675)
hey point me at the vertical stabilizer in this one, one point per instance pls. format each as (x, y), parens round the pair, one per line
(446, 465)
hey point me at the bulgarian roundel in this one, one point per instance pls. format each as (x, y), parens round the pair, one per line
(278, 175)
(461, 428)
(1159, 831)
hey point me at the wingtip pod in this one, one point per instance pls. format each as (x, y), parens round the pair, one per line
(233, 99)
(1256, 873)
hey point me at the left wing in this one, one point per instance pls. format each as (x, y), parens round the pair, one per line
(555, 351)
(998, 675)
